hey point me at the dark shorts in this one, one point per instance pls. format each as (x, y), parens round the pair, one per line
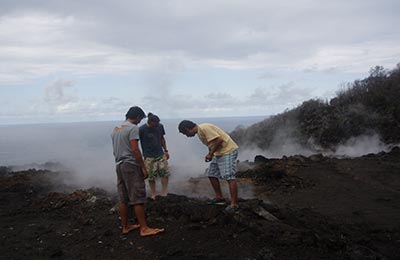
(130, 184)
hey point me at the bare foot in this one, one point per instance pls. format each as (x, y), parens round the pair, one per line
(151, 231)
(130, 228)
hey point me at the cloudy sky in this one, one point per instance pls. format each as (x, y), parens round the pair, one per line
(83, 60)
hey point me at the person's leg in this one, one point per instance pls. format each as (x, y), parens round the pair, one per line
(216, 186)
(227, 167)
(123, 198)
(164, 186)
(213, 175)
(144, 229)
(233, 191)
(164, 170)
(151, 171)
(152, 184)
(123, 213)
(137, 197)
(140, 215)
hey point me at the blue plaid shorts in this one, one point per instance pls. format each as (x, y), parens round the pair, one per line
(224, 166)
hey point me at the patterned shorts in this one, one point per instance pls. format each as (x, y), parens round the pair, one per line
(157, 167)
(223, 167)
(130, 184)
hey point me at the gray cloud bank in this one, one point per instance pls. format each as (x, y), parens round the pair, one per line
(42, 37)
(60, 100)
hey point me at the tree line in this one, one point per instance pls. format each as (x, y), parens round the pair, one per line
(370, 105)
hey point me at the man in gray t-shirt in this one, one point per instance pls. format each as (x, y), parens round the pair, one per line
(131, 172)
(122, 137)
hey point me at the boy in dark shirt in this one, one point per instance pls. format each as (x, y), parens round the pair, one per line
(155, 153)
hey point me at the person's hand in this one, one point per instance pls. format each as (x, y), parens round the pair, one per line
(166, 154)
(145, 174)
(208, 157)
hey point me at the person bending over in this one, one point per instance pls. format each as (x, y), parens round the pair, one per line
(222, 155)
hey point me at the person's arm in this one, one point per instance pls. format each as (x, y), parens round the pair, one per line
(164, 146)
(138, 155)
(215, 144)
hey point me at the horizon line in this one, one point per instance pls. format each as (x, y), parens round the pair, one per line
(103, 121)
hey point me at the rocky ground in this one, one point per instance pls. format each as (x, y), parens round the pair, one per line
(306, 208)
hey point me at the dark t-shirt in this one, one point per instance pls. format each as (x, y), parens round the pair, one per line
(150, 140)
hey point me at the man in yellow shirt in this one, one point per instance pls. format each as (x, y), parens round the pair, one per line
(222, 155)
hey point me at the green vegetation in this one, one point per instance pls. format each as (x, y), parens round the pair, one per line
(367, 106)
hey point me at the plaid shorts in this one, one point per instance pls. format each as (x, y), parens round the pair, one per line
(130, 184)
(224, 166)
(157, 167)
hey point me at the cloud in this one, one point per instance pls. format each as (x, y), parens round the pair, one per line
(165, 42)
(41, 38)
(267, 75)
(352, 57)
(285, 94)
(265, 100)
(60, 101)
(39, 44)
(55, 92)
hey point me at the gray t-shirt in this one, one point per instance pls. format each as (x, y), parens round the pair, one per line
(121, 137)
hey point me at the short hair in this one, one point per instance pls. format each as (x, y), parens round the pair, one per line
(152, 118)
(185, 124)
(135, 112)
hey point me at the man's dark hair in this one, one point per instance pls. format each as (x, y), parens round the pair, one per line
(135, 112)
(185, 124)
(152, 118)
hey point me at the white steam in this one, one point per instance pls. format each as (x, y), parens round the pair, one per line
(361, 145)
(284, 145)
(85, 149)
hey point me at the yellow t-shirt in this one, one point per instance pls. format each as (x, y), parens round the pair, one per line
(208, 132)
